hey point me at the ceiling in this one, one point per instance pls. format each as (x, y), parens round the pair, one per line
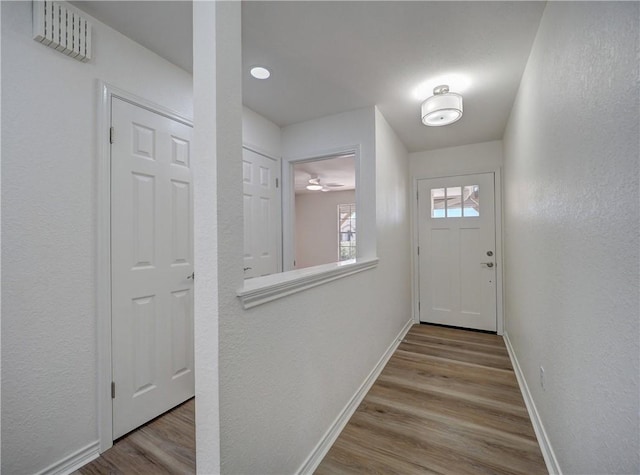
(330, 57)
(332, 172)
(164, 27)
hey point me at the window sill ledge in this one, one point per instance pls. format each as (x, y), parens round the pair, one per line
(271, 287)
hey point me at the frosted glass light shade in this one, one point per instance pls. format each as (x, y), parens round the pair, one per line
(260, 72)
(313, 187)
(442, 109)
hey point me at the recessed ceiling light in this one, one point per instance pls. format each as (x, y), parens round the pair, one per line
(260, 72)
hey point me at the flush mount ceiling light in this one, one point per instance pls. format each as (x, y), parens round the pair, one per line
(260, 72)
(456, 81)
(443, 108)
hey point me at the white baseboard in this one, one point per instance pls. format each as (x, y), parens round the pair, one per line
(74, 461)
(543, 440)
(321, 449)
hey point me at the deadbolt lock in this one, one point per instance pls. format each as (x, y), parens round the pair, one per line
(489, 253)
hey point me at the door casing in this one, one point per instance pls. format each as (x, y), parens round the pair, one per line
(499, 246)
(103, 247)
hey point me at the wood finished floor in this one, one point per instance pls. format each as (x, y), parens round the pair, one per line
(166, 445)
(446, 402)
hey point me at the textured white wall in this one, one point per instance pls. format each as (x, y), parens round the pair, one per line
(317, 226)
(336, 133)
(451, 161)
(287, 368)
(572, 232)
(391, 296)
(261, 134)
(0, 235)
(206, 95)
(49, 102)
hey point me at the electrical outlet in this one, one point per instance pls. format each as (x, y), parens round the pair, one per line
(541, 377)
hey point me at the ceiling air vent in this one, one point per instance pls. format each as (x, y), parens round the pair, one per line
(63, 29)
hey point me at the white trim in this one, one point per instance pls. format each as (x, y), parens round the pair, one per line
(271, 287)
(497, 191)
(553, 467)
(103, 269)
(74, 461)
(260, 151)
(415, 258)
(330, 436)
(106, 93)
(497, 173)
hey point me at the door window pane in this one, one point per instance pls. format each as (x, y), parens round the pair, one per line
(471, 201)
(454, 202)
(438, 203)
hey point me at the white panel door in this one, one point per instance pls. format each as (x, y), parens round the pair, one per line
(151, 265)
(262, 228)
(457, 265)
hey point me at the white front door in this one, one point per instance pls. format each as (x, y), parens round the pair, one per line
(151, 265)
(262, 228)
(457, 261)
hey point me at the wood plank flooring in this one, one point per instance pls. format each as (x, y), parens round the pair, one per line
(166, 445)
(446, 402)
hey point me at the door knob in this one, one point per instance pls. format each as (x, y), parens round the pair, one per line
(488, 264)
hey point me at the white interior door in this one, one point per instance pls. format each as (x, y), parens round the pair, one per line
(262, 228)
(151, 266)
(457, 239)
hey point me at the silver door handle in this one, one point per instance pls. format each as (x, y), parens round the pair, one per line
(247, 268)
(488, 264)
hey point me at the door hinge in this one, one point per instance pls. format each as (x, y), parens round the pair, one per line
(111, 134)
(277, 183)
(417, 194)
(418, 250)
(113, 390)
(418, 306)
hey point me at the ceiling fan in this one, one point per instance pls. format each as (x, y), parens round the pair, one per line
(314, 185)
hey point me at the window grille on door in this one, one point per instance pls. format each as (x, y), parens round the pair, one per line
(455, 202)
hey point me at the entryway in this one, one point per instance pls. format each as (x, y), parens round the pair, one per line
(457, 252)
